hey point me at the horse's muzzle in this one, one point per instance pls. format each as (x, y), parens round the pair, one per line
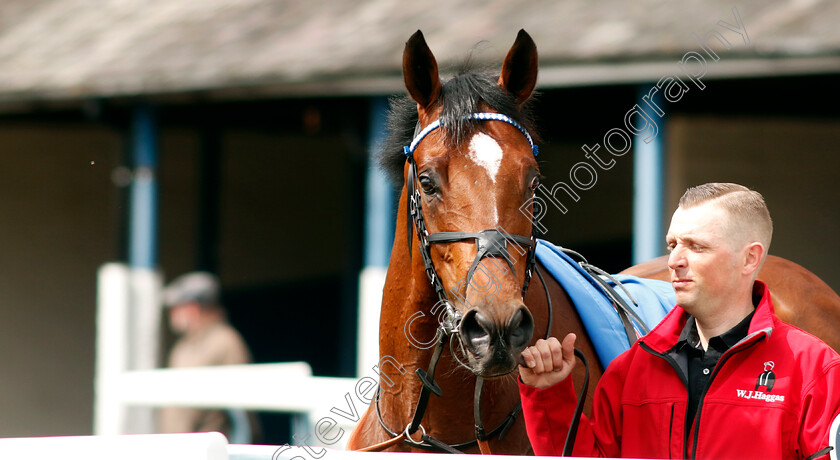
(493, 347)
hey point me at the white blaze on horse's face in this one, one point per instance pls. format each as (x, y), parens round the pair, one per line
(486, 152)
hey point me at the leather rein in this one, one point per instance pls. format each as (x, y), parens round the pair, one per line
(490, 243)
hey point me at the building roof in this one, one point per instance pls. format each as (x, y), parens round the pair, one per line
(79, 49)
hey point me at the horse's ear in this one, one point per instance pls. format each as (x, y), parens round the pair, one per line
(420, 71)
(519, 72)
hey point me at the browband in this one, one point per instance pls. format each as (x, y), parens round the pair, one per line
(408, 150)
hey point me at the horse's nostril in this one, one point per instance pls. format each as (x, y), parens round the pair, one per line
(520, 328)
(475, 330)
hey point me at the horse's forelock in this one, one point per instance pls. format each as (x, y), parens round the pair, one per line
(463, 94)
(401, 121)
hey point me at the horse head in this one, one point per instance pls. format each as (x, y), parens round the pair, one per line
(470, 178)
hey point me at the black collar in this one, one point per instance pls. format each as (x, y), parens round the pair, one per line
(690, 337)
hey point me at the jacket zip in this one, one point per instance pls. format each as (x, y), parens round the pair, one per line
(723, 359)
(684, 379)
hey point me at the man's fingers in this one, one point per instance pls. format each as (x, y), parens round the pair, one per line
(544, 347)
(528, 357)
(535, 358)
(544, 356)
(546, 361)
(556, 354)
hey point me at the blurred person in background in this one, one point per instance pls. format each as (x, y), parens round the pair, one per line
(205, 338)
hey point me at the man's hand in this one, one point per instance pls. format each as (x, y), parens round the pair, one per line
(548, 362)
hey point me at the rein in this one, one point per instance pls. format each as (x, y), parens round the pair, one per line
(489, 243)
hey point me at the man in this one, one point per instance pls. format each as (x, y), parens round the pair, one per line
(206, 339)
(720, 377)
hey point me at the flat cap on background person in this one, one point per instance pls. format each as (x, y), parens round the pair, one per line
(199, 287)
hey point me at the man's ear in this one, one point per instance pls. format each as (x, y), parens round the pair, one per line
(753, 256)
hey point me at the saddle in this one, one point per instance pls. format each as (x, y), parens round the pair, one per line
(615, 309)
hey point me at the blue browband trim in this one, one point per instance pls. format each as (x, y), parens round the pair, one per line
(409, 149)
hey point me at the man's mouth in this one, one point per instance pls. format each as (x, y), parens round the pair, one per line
(680, 283)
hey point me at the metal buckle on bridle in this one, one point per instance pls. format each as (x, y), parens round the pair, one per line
(451, 320)
(411, 440)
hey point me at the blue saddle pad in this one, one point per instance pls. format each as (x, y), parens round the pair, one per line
(655, 299)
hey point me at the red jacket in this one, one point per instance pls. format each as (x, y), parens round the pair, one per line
(772, 395)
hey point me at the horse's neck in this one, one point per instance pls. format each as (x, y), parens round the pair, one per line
(407, 294)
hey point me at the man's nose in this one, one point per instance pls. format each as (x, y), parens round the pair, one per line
(676, 259)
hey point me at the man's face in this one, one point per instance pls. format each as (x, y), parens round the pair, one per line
(703, 262)
(182, 316)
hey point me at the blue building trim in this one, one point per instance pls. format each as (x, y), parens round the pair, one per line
(379, 195)
(648, 186)
(143, 215)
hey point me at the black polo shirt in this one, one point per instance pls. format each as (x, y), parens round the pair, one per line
(702, 363)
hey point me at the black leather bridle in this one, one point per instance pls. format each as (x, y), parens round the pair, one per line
(490, 243)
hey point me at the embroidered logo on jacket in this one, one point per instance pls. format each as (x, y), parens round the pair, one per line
(766, 380)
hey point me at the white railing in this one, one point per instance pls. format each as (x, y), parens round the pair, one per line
(278, 387)
(192, 446)
(128, 387)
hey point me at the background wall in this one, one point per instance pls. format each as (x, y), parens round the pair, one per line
(793, 162)
(276, 213)
(58, 223)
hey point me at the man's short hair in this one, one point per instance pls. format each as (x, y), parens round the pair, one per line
(202, 288)
(746, 208)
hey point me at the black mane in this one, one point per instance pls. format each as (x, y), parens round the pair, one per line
(461, 95)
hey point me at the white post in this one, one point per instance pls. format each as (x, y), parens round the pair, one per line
(371, 282)
(112, 353)
(144, 338)
(127, 338)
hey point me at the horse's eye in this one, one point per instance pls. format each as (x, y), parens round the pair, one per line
(535, 182)
(427, 184)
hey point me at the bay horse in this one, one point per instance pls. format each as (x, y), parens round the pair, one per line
(459, 303)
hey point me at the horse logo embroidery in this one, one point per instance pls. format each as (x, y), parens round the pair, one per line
(767, 378)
